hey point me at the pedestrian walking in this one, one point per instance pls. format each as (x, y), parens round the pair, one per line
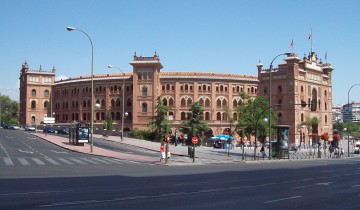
(262, 150)
(342, 152)
(162, 152)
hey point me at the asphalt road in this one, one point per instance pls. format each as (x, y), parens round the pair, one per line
(306, 184)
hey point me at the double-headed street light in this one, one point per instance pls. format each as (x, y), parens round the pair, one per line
(123, 114)
(92, 86)
(349, 117)
(271, 66)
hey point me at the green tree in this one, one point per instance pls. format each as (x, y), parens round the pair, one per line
(108, 123)
(231, 119)
(8, 110)
(159, 123)
(195, 124)
(254, 112)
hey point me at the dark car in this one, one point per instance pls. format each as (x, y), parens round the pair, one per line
(6, 126)
(49, 130)
(63, 130)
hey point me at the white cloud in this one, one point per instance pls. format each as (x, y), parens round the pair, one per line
(61, 77)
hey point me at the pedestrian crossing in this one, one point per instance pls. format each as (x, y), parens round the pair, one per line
(203, 161)
(60, 161)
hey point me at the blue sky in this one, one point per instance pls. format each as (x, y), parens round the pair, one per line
(224, 36)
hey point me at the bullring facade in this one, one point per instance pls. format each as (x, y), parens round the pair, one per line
(70, 100)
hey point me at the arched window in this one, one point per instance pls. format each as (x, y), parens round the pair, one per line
(302, 117)
(102, 115)
(279, 89)
(112, 103)
(207, 116)
(168, 87)
(186, 87)
(88, 104)
(218, 116)
(183, 116)
(144, 107)
(33, 104)
(144, 91)
(118, 101)
(97, 116)
(235, 104)
(218, 102)
(302, 89)
(207, 102)
(84, 103)
(224, 103)
(46, 93)
(128, 102)
(235, 116)
(279, 102)
(171, 102)
(183, 102)
(201, 102)
(46, 104)
(325, 119)
(189, 101)
(33, 92)
(33, 119)
(103, 103)
(164, 102)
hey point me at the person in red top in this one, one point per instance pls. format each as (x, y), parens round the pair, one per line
(162, 151)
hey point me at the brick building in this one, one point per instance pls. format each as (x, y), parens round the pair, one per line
(299, 80)
(71, 98)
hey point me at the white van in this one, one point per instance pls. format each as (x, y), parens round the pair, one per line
(357, 147)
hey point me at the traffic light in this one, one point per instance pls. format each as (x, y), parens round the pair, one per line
(313, 105)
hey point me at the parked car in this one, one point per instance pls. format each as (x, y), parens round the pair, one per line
(29, 128)
(63, 130)
(14, 127)
(5, 126)
(357, 148)
(49, 129)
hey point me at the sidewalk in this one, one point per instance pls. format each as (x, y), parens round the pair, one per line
(179, 153)
(202, 153)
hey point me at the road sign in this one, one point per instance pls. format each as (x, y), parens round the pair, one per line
(49, 120)
(194, 140)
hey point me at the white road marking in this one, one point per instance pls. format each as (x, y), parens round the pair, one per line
(283, 199)
(25, 151)
(65, 161)
(90, 161)
(38, 161)
(101, 161)
(8, 161)
(313, 185)
(58, 152)
(78, 161)
(28, 193)
(358, 185)
(52, 161)
(23, 161)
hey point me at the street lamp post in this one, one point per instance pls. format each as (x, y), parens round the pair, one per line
(348, 120)
(271, 66)
(123, 114)
(92, 86)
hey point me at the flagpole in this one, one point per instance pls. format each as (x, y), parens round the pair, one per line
(311, 39)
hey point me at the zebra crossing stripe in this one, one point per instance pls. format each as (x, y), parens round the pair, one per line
(38, 161)
(115, 161)
(78, 161)
(100, 160)
(65, 161)
(8, 161)
(52, 161)
(90, 161)
(24, 162)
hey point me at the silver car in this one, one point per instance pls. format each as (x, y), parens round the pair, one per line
(29, 128)
(14, 127)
